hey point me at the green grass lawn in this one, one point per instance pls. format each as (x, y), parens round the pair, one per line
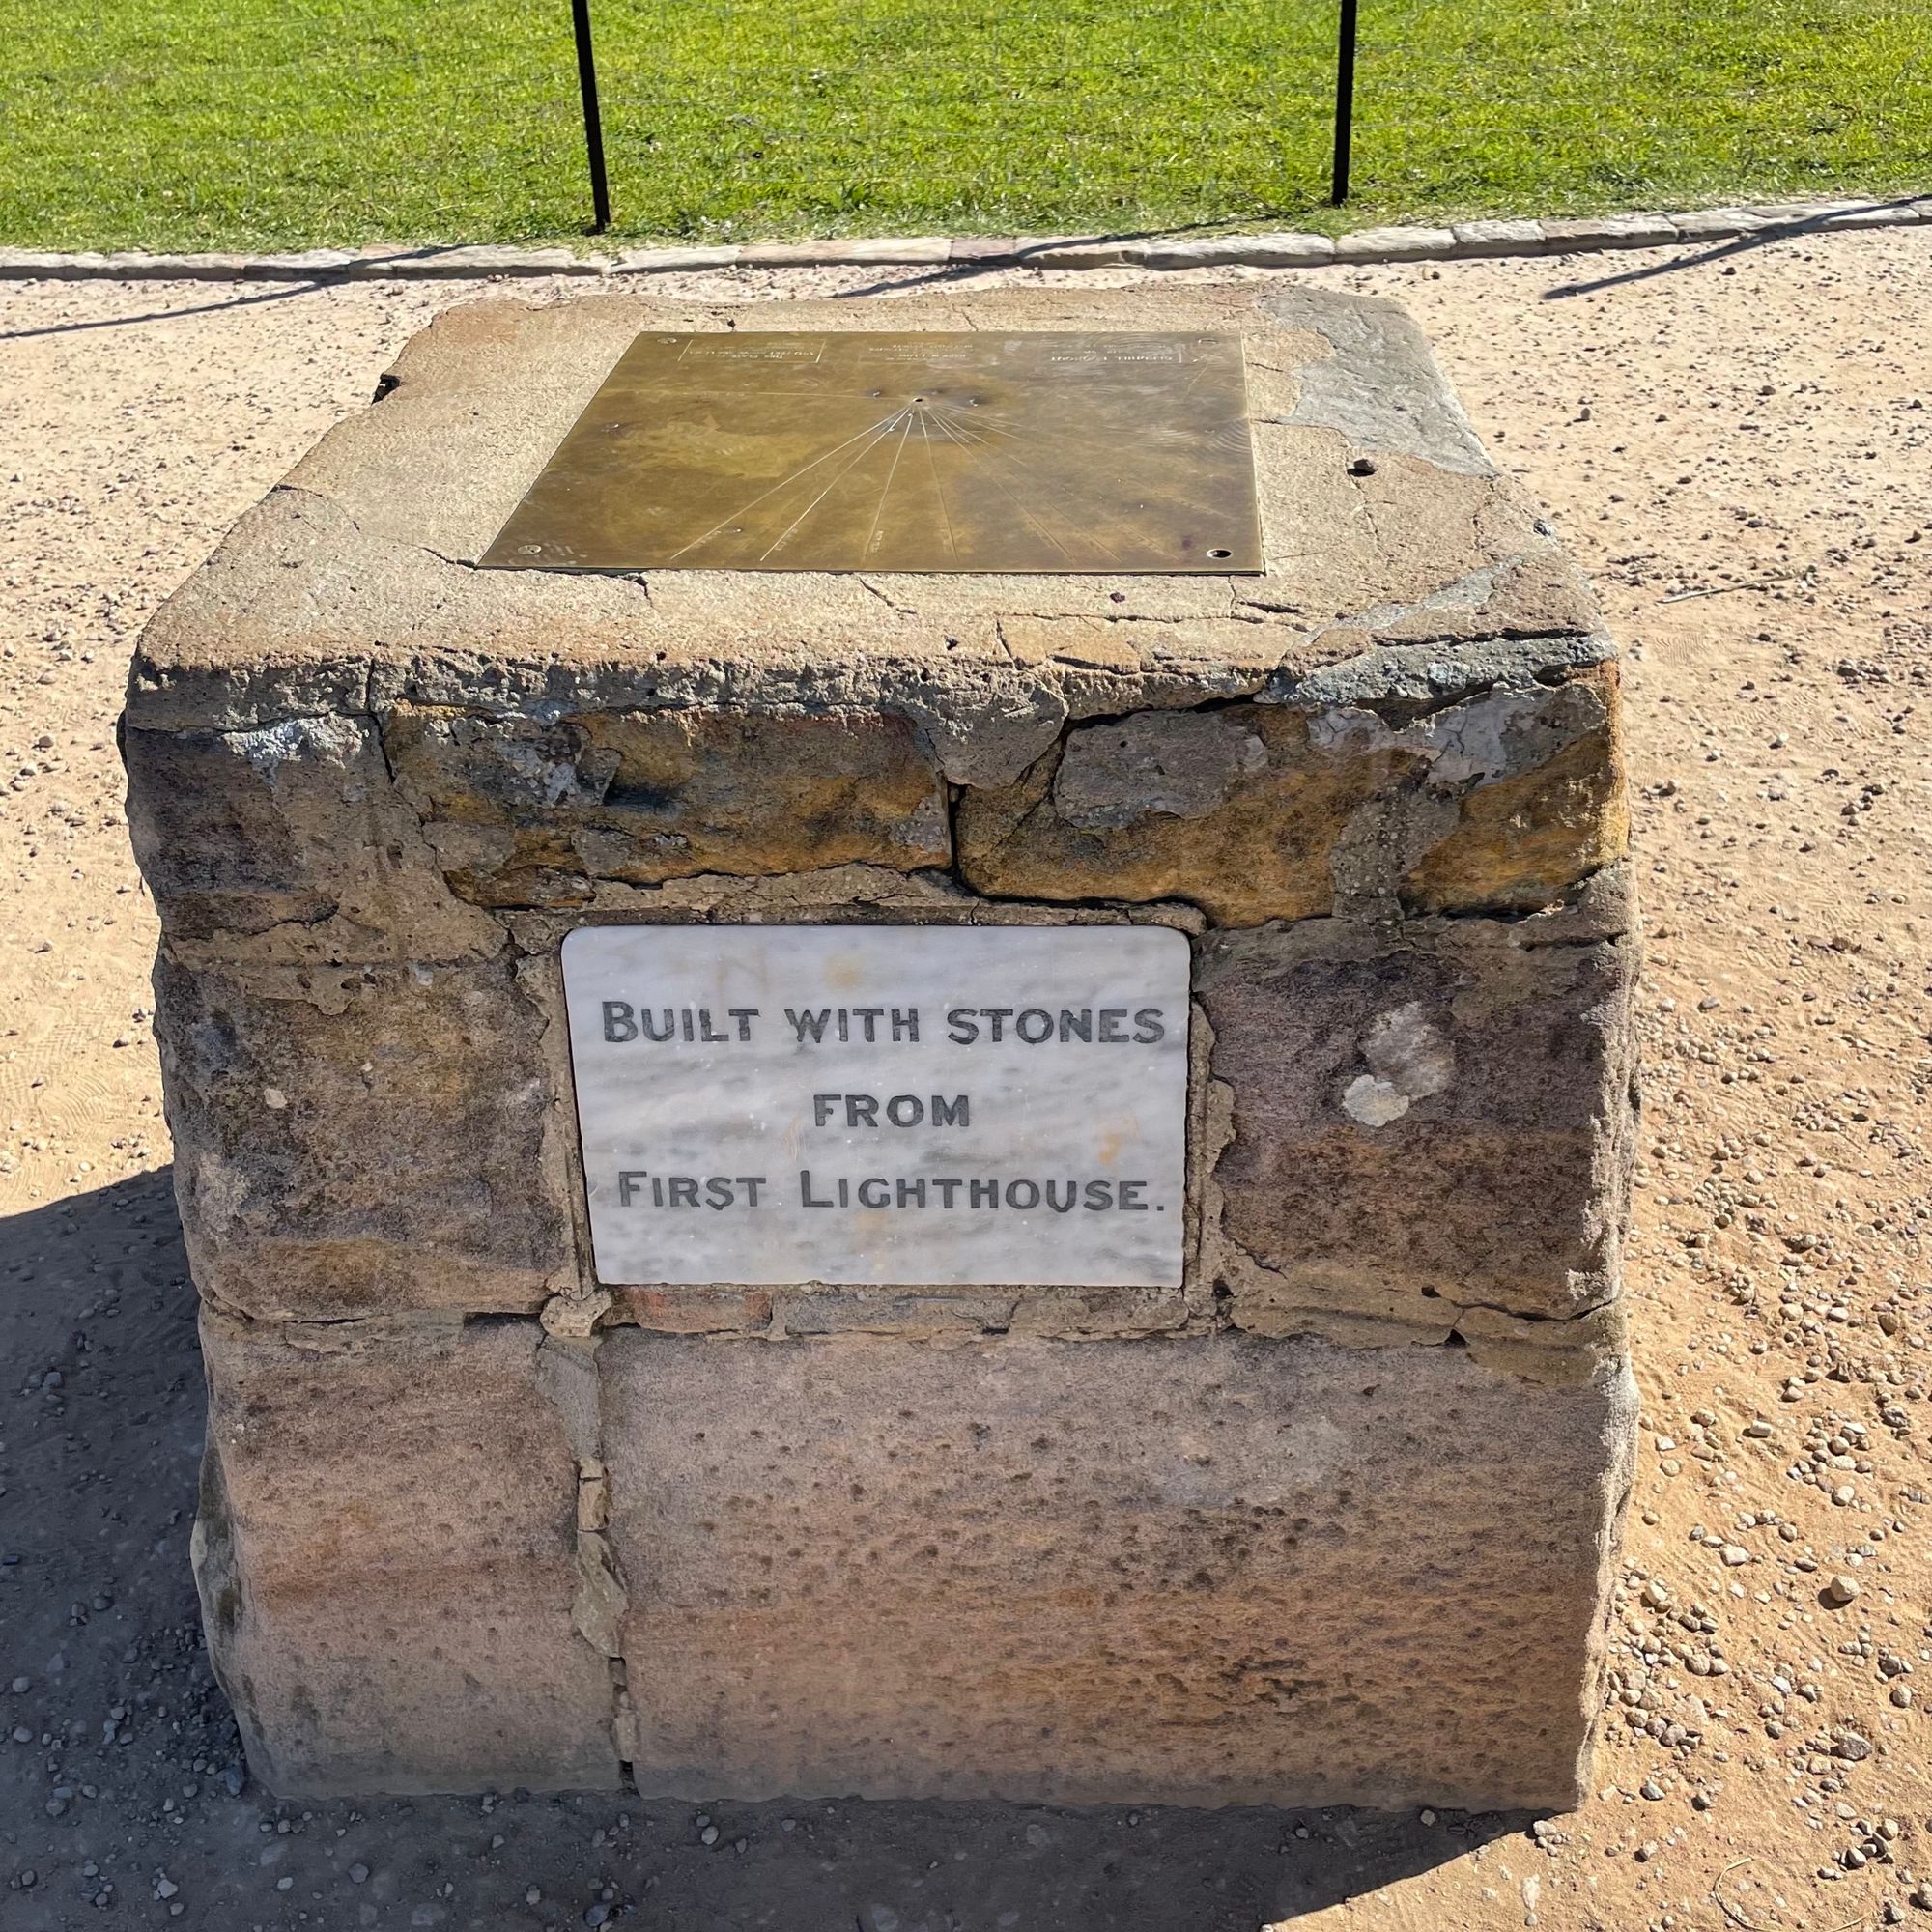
(188, 124)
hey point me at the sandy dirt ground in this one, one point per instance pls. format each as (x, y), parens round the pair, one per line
(1737, 440)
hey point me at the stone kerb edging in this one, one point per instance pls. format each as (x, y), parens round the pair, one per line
(1461, 240)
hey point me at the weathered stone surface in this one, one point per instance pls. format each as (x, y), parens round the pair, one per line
(1096, 252)
(474, 1517)
(138, 267)
(1286, 251)
(1206, 1572)
(915, 249)
(1395, 245)
(1259, 251)
(1499, 238)
(1882, 214)
(1070, 1312)
(672, 261)
(1381, 517)
(1234, 810)
(477, 259)
(386, 1557)
(525, 812)
(1608, 231)
(288, 845)
(1257, 811)
(1714, 224)
(301, 265)
(1547, 807)
(356, 1142)
(1418, 1121)
(694, 1311)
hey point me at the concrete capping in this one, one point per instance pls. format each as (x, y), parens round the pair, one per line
(1365, 247)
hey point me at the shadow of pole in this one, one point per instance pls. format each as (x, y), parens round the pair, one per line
(1776, 231)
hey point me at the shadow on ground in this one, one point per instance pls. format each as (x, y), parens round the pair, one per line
(121, 1784)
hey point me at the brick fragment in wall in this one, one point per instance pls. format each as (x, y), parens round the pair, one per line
(289, 845)
(1260, 811)
(362, 1142)
(1193, 1572)
(524, 811)
(386, 1557)
(1417, 1119)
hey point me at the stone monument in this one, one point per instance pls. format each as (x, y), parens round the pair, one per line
(938, 1108)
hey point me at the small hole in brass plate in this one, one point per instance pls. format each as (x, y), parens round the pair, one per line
(1220, 553)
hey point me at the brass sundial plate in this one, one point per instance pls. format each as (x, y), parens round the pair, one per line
(1098, 451)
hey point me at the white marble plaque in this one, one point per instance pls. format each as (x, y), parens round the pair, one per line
(946, 1105)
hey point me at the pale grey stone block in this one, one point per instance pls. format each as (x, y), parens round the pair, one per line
(985, 247)
(672, 261)
(39, 265)
(885, 251)
(1395, 245)
(1499, 238)
(1714, 224)
(1258, 251)
(1095, 254)
(1608, 231)
(135, 267)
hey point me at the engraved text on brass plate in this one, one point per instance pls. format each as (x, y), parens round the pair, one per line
(1105, 451)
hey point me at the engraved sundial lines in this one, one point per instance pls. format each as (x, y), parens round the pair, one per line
(1035, 452)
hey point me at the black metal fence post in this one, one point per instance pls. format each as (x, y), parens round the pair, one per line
(1345, 104)
(593, 122)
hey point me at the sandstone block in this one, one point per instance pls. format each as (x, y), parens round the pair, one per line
(1714, 224)
(387, 1558)
(1259, 811)
(361, 1142)
(672, 261)
(1099, 252)
(1608, 231)
(1287, 250)
(528, 810)
(288, 845)
(1499, 238)
(1395, 245)
(1023, 1570)
(1419, 1120)
(1259, 251)
(985, 247)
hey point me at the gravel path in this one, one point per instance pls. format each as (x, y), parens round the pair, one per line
(1737, 440)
